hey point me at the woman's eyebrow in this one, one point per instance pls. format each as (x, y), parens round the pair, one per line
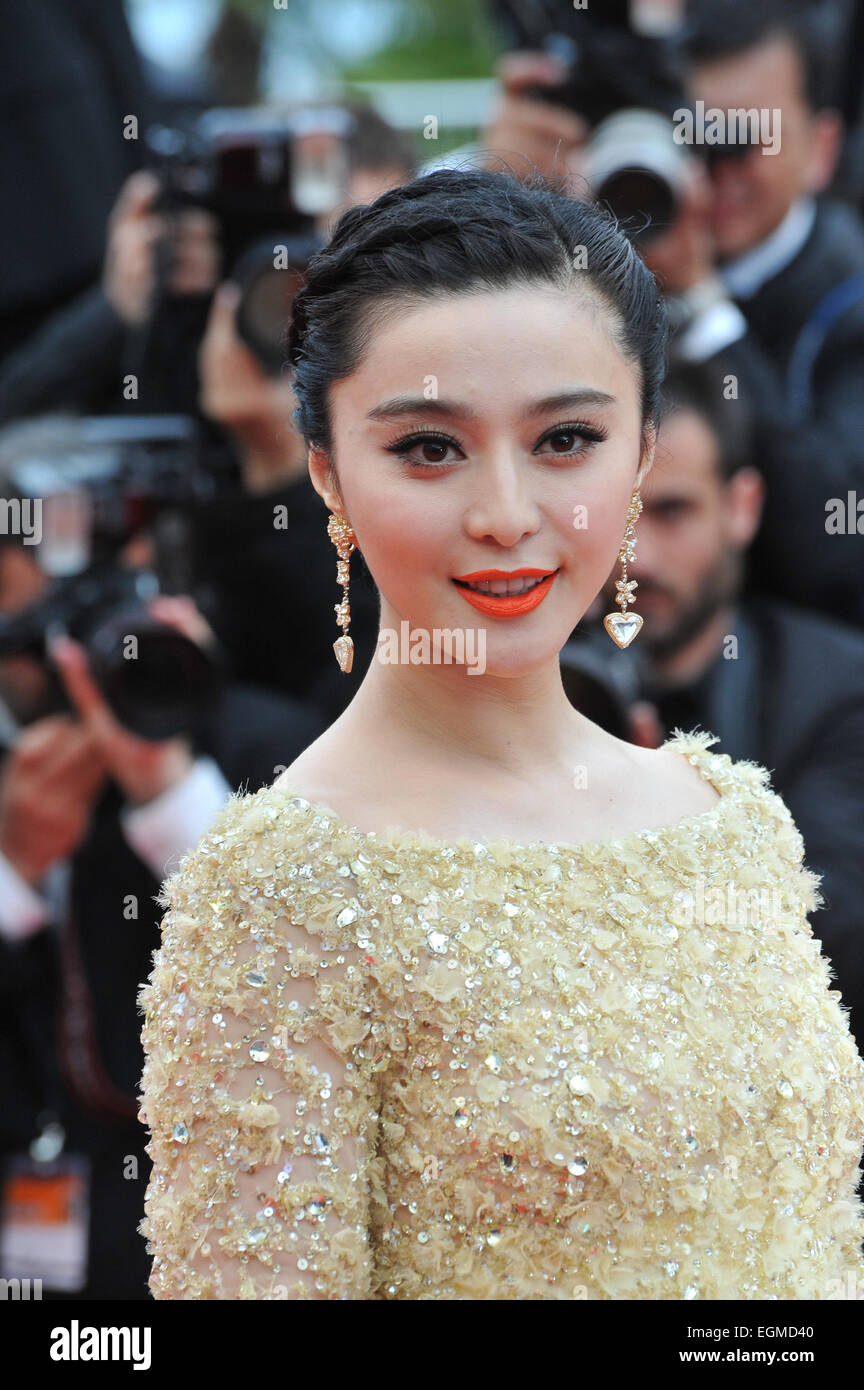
(564, 400)
(415, 405)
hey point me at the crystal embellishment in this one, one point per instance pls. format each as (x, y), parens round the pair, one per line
(344, 649)
(555, 1078)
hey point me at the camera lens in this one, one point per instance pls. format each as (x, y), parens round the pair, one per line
(157, 681)
(638, 194)
(635, 166)
(269, 275)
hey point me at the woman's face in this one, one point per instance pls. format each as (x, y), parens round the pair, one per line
(491, 431)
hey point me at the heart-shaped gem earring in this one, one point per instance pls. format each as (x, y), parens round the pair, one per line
(623, 627)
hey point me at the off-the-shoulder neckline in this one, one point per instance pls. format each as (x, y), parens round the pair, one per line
(694, 746)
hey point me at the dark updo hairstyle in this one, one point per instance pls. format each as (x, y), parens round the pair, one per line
(454, 232)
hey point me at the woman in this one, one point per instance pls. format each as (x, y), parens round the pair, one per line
(450, 1010)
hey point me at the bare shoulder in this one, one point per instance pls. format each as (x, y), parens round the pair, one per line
(321, 772)
(672, 783)
(307, 777)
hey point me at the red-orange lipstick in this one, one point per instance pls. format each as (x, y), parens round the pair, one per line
(504, 604)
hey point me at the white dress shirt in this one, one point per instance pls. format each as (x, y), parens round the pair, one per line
(745, 275)
(715, 321)
(159, 832)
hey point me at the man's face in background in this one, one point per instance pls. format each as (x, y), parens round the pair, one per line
(691, 535)
(752, 195)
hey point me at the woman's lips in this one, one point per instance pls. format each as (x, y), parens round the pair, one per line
(504, 605)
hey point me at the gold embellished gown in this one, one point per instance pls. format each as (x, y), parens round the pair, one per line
(385, 1066)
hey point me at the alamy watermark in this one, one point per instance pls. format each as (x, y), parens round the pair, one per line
(22, 516)
(736, 126)
(20, 1290)
(439, 646)
(732, 905)
(77, 1343)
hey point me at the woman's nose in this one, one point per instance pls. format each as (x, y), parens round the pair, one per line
(502, 506)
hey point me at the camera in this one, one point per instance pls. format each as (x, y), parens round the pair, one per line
(97, 483)
(265, 175)
(635, 167)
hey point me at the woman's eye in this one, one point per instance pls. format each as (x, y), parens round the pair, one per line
(571, 440)
(425, 450)
(428, 450)
(434, 450)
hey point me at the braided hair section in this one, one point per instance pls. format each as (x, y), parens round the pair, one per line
(454, 232)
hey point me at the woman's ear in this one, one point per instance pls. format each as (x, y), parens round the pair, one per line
(649, 444)
(323, 478)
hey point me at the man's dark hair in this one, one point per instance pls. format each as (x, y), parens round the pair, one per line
(700, 387)
(453, 232)
(722, 28)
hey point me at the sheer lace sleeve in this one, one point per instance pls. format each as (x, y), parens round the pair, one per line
(819, 1060)
(259, 1089)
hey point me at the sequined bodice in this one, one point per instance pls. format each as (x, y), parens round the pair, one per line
(386, 1066)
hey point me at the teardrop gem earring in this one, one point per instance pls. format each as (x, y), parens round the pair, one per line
(340, 533)
(623, 627)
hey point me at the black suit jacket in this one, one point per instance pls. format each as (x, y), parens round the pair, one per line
(793, 700)
(810, 450)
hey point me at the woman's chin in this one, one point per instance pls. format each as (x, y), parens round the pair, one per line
(509, 649)
(514, 652)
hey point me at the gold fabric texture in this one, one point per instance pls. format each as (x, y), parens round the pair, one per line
(385, 1066)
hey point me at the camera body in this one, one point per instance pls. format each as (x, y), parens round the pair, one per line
(265, 175)
(98, 481)
(258, 170)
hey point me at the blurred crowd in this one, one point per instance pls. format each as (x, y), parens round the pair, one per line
(156, 501)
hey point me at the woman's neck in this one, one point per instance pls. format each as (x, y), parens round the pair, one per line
(514, 725)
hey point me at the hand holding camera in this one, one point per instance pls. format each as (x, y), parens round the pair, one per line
(142, 768)
(49, 785)
(138, 235)
(539, 133)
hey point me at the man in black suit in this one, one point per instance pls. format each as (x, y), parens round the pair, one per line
(766, 274)
(776, 684)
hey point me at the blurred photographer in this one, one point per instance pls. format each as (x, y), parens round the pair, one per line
(260, 532)
(261, 539)
(78, 358)
(87, 813)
